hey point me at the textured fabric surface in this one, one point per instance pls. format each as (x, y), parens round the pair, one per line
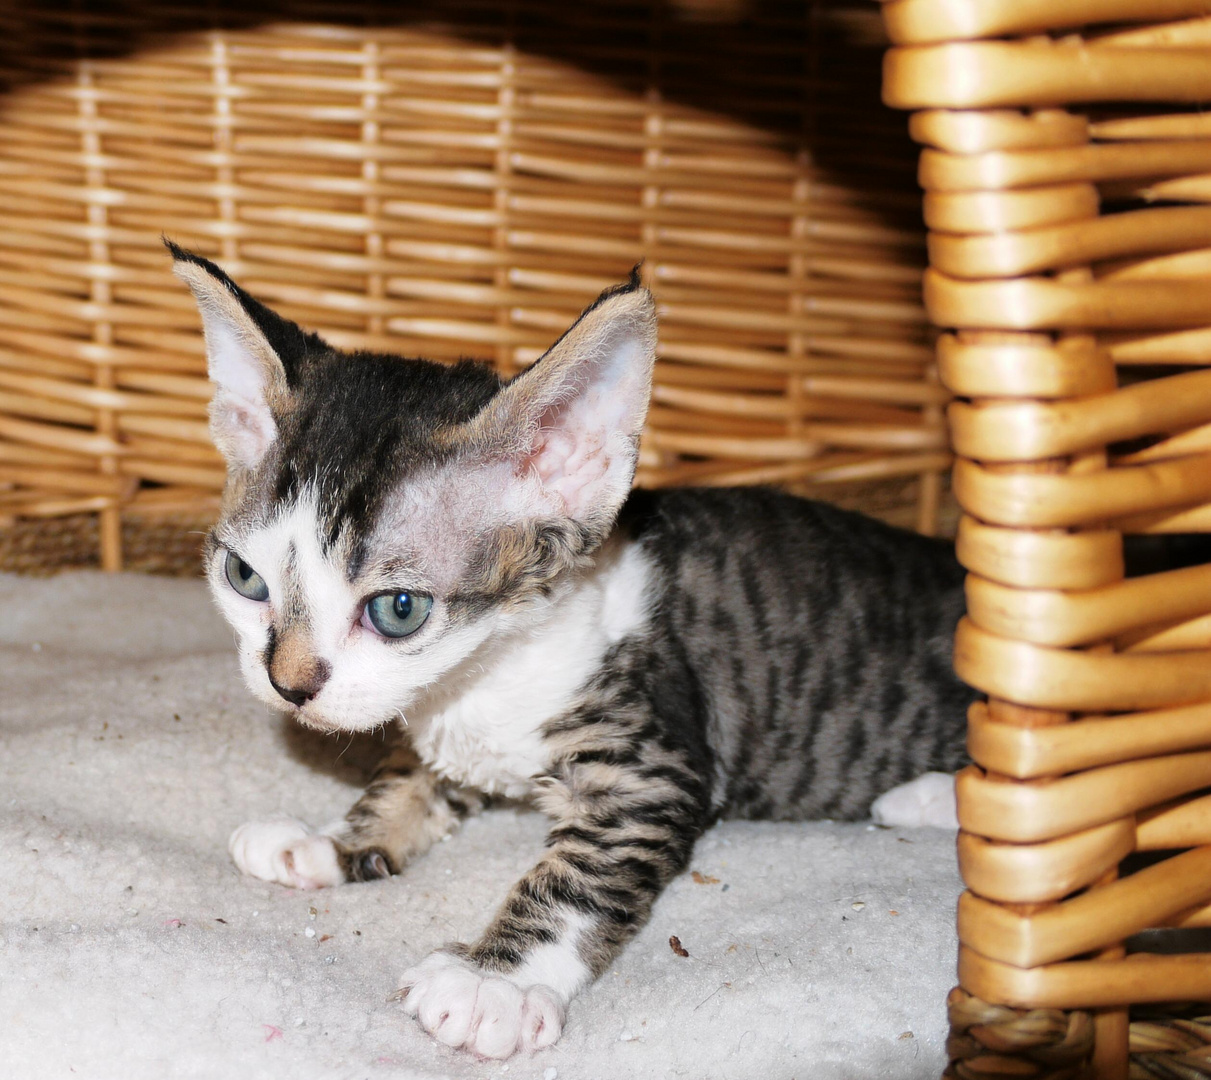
(131, 948)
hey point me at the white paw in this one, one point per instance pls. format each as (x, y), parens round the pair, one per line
(284, 850)
(927, 800)
(461, 1006)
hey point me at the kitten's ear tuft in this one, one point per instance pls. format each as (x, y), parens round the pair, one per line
(252, 356)
(573, 419)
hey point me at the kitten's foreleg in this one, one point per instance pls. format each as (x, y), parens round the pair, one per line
(624, 825)
(403, 812)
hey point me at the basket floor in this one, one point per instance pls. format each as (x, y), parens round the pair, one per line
(133, 948)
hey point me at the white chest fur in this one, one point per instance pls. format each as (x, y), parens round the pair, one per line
(483, 727)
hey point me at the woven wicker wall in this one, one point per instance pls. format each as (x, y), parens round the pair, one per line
(1065, 169)
(458, 180)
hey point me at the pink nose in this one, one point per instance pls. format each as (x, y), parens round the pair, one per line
(306, 683)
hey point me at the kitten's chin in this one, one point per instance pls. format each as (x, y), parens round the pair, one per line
(329, 717)
(308, 715)
(315, 722)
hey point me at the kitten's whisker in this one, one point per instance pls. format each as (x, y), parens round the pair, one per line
(402, 717)
(347, 745)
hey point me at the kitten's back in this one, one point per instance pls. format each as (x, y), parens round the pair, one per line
(819, 640)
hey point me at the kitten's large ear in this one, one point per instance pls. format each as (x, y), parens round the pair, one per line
(573, 419)
(250, 352)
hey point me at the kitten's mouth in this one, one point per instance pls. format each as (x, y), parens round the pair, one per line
(310, 720)
(307, 717)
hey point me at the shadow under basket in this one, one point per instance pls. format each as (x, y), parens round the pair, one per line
(157, 544)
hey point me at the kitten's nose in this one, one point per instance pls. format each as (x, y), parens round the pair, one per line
(298, 695)
(294, 670)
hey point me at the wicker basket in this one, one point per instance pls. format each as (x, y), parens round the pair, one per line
(1067, 191)
(459, 179)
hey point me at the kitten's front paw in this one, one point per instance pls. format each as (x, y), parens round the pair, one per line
(284, 850)
(461, 1006)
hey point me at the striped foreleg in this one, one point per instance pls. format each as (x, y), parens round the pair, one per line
(403, 812)
(622, 829)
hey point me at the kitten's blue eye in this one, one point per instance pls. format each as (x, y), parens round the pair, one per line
(244, 579)
(399, 614)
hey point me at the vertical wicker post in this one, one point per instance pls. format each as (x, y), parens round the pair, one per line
(506, 101)
(101, 295)
(372, 201)
(1077, 351)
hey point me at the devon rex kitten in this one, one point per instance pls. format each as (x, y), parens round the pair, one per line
(404, 539)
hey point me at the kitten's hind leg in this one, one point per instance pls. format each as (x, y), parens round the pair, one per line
(927, 800)
(403, 812)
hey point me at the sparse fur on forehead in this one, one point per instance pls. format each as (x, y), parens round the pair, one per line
(358, 427)
(349, 426)
(462, 527)
(362, 423)
(411, 470)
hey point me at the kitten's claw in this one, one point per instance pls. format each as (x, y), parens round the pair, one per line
(284, 850)
(373, 865)
(461, 1006)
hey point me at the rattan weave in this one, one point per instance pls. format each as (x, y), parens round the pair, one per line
(1065, 174)
(458, 180)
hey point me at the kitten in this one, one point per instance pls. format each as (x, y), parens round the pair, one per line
(401, 539)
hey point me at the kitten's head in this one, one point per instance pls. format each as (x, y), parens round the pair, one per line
(384, 519)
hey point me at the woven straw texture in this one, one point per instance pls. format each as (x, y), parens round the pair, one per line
(1066, 187)
(456, 180)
